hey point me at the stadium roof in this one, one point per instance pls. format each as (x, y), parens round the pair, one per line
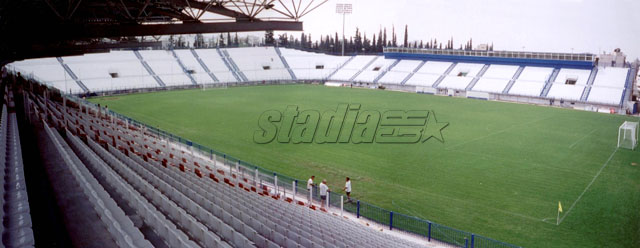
(45, 27)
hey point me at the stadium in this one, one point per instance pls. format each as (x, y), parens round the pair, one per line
(115, 140)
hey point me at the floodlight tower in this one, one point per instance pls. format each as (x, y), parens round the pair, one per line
(344, 9)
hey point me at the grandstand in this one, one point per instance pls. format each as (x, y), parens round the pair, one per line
(582, 86)
(16, 218)
(311, 66)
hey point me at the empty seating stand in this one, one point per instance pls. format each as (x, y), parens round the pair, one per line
(123, 71)
(15, 216)
(186, 200)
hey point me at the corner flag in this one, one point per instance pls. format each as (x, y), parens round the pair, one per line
(559, 211)
(559, 207)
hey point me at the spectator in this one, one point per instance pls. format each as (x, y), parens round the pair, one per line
(323, 191)
(347, 189)
(310, 188)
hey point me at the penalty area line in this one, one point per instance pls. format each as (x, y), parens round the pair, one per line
(496, 132)
(588, 186)
(583, 137)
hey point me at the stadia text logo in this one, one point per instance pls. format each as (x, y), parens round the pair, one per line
(348, 123)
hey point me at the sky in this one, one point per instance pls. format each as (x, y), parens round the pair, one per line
(532, 25)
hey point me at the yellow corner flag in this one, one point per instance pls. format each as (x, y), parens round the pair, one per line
(559, 211)
(559, 207)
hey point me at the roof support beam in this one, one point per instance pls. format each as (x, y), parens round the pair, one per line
(70, 31)
(214, 8)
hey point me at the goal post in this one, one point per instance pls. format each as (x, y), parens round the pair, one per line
(628, 135)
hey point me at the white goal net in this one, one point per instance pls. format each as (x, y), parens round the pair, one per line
(628, 135)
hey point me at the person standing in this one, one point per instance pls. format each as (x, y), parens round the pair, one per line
(323, 192)
(347, 189)
(310, 188)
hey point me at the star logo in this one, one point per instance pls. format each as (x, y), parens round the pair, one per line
(433, 128)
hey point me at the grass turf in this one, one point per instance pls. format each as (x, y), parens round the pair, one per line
(500, 173)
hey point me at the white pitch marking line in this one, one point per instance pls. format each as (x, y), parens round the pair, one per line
(583, 137)
(468, 202)
(497, 132)
(588, 186)
(409, 211)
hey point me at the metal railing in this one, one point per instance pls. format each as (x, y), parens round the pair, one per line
(502, 54)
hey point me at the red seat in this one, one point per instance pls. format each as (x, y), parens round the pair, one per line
(213, 177)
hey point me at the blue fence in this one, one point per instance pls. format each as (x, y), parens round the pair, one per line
(394, 220)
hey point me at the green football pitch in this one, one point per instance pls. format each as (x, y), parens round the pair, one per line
(500, 173)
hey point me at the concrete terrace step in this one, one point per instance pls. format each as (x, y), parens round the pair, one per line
(363, 68)
(184, 69)
(444, 74)
(587, 90)
(340, 67)
(547, 86)
(73, 75)
(385, 71)
(513, 80)
(204, 66)
(477, 77)
(284, 61)
(234, 65)
(148, 68)
(628, 85)
(413, 72)
(227, 62)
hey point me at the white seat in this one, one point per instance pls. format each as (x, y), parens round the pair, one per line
(227, 232)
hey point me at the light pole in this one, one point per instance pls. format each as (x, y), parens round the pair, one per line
(344, 9)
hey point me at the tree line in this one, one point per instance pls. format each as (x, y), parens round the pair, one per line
(222, 40)
(358, 43)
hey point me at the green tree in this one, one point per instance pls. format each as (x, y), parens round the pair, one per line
(406, 35)
(380, 42)
(268, 37)
(198, 42)
(384, 39)
(394, 37)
